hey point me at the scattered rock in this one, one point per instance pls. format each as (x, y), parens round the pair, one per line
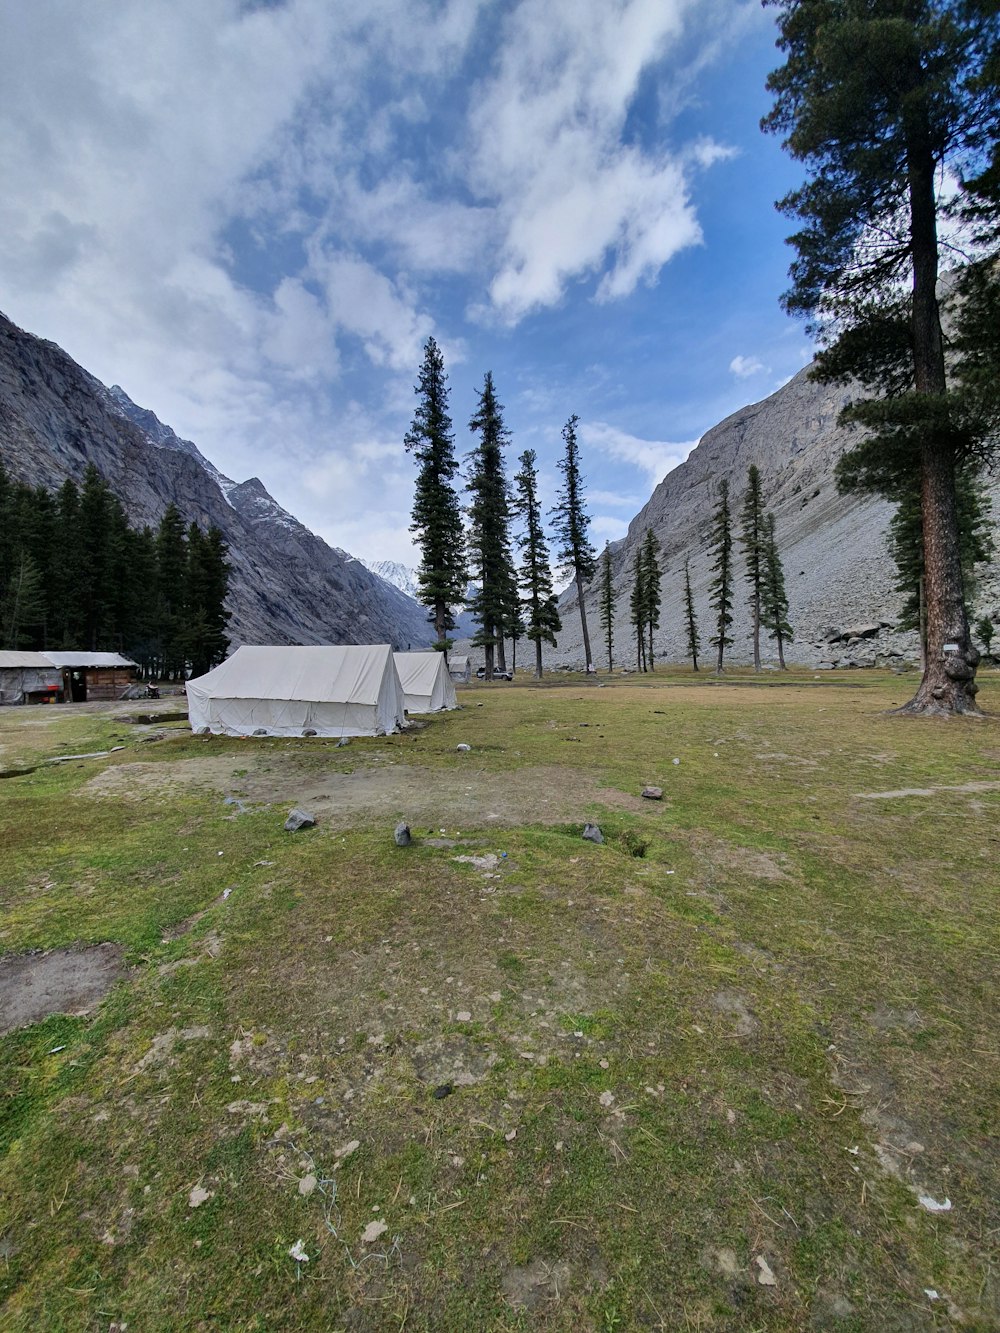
(441, 1091)
(347, 1150)
(592, 833)
(402, 835)
(344, 740)
(372, 1232)
(198, 1196)
(298, 819)
(463, 1016)
(764, 1276)
(463, 748)
(306, 1185)
(607, 1098)
(652, 793)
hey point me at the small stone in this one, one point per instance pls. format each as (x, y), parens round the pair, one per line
(344, 740)
(198, 1196)
(298, 819)
(372, 1232)
(607, 1098)
(442, 1090)
(463, 1016)
(462, 749)
(592, 833)
(402, 835)
(764, 1276)
(347, 1149)
(306, 1185)
(652, 793)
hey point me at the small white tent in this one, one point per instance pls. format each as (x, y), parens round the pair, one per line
(459, 668)
(427, 687)
(329, 691)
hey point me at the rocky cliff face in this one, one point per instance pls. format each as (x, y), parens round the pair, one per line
(286, 585)
(838, 572)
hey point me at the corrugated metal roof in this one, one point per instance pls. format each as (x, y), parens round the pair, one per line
(15, 660)
(74, 661)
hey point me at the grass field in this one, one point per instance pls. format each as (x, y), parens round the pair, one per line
(697, 1077)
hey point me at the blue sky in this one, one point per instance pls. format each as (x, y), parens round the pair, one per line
(252, 215)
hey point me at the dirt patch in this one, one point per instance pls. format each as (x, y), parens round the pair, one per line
(425, 797)
(66, 981)
(720, 857)
(535, 1284)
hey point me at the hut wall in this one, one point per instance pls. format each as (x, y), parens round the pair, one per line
(108, 682)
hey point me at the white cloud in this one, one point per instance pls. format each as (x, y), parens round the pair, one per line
(744, 367)
(653, 458)
(549, 149)
(607, 527)
(616, 499)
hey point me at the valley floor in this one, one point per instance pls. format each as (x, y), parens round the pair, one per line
(737, 1067)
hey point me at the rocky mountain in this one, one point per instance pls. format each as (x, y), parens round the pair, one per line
(405, 579)
(838, 572)
(286, 585)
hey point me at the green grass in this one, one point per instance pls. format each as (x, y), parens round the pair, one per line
(752, 1024)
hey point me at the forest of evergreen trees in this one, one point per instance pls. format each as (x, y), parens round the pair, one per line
(74, 575)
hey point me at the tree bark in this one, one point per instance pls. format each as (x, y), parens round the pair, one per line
(781, 653)
(755, 608)
(949, 679)
(538, 659)
(583, 624)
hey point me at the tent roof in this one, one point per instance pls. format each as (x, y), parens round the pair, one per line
(419, 671)
(457, 662)
(15, 660)
(323, 674)
(76, 660)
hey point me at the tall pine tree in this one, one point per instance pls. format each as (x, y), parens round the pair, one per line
(542, 622)
(721, 599)
(606, 603)
(752, 541)
(774, 600)
(652, 578)
(881, 101)
(437, 514)
(637, 607)
(571, 522)
(690, 623)
(488, 540)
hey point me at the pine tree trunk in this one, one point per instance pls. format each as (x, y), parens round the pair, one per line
(651, 648)
(583, 624)
(949, 680)
(501, 652)
(781, 652)
(718, 661)
(755, 607)
(538, 659)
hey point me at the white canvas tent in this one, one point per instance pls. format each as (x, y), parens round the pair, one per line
(460, 668)
(427, 687)
(329, 691)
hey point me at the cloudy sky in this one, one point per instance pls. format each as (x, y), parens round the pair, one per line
(251, 216)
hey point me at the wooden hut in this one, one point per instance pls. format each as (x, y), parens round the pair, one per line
(93, 675)
(29, 678)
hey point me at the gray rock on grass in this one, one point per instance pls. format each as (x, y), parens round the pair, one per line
(652, 793)
(592, 833)
(402, 835)
(299, 819)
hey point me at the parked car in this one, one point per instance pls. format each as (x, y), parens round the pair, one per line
(498, 674)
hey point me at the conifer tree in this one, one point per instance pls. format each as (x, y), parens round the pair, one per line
(721, 599)
(752, 541)
(606, 603)
(986, 629)
(437, 516)
(882, 101)
(488, 541)
(571, 522)
(637, 607)
(97, 586)
(542, 622)
(22, 604)
(171, 593)
(774, 600)
(693, 642)
(652, 578)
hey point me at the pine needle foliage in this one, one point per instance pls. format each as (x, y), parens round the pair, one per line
(652, 577)
(752, 542)
(606, 603)
(488, 539)
(436, 514)
(774, 599)
(541, 621)
(721, 589)
(571, 522)
(690, 623)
